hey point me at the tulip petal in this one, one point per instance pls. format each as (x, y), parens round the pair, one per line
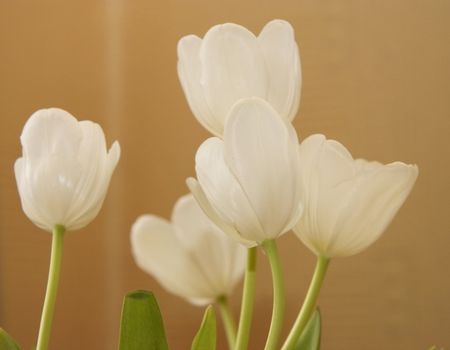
(212, 214)
(232, 67)
(213, 251)
(104, 178)
(50, 131)
(370, 208)
(49, 183)
(281, 54)
(349, 203)
(29, 206)
(157, 251)
(223, 191)
(189, 73)
(261, 151)
(334, 174)
(65, 170)
(91, 158)
(98, 166)
(49, 171)
(326, 167)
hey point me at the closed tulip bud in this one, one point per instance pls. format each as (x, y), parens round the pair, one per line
(348, 202)
(189, 256)
(65, 169)
(230, 63)
(249, 182)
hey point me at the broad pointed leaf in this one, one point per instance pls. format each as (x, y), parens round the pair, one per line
(310, 338)
(205, 339)
(142, 326)
(7, 342)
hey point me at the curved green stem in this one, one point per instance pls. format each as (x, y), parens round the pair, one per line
(52, 288)
(248, 293)
(228, 321)
(308, 304)
(276, 325)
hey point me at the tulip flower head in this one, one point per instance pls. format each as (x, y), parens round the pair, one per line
(348, 202)
(249, 182)
(189, 256)
(230, 63)
(65, 169)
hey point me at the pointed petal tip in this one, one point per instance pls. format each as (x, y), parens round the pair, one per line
(204, 149)
(412, 169)
(229, 27)
(315, 138)
(115, 150)
(51, 111)
(191, 182)
(279, 24)
(17, 165)
(184, 204)
(139, 221)
(186, 43)
(47, 115)
(142, 226)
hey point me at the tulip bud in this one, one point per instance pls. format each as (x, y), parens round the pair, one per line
(230, 63)
(65, 169)
(348, 203)
(249, 182)
(189, 256)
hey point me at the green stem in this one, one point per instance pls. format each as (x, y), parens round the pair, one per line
(276, 325)
(248, 293)
(309, 303)
(52, 288)
(228, 321)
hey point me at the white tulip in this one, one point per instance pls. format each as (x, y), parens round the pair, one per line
(348, 203)
(189, 256)
(231, 63)
(249, 182)
(65, 169)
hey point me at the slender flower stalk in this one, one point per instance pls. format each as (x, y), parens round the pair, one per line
(309, 303)
(276, 324)
(62, 178)
(248, 293)
(52, 288)
(228, 321)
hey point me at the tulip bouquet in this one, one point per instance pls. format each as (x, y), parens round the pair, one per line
(255, 181)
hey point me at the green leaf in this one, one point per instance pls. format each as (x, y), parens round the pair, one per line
(205, 339)
(142, 326)
(310, 338)
(7, 342)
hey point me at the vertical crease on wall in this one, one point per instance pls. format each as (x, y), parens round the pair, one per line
(113, 112)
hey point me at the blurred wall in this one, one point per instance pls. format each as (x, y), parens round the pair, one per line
(376, 76)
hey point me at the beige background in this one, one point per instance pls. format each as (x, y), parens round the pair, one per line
(376, 77)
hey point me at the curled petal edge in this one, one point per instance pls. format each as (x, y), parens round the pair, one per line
(204, 204)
